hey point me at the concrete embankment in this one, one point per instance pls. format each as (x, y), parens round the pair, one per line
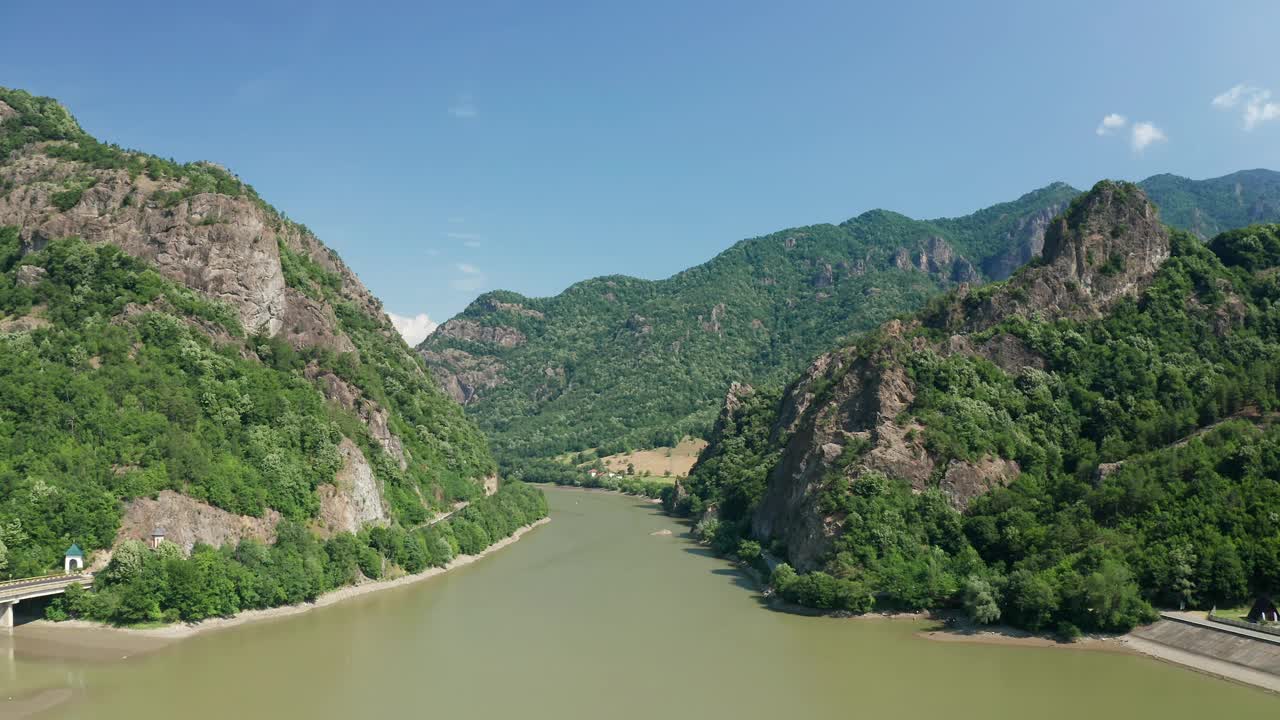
(1229, 652)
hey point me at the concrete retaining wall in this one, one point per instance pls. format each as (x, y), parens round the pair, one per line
(1220, 643)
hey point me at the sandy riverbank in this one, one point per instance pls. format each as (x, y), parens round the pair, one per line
(184, 630)
(955, 628)
(1019, 638)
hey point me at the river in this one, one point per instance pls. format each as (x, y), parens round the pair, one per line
(594, 616)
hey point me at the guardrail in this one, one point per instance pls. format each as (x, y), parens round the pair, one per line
(38, 578)
(1256, 627)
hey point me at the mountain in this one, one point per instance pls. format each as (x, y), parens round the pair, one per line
(618, 363)
(1060, 451)
(1209, 207)
(177, 353)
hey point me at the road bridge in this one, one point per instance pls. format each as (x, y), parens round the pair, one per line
(13, 592)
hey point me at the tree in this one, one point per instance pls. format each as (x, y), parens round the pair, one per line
(980, 601)
(783, 577)
(1113, 598)
(1033, 599)
(126, 562)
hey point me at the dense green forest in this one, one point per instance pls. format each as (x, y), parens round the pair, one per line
(1210, 207)
(618, 363)
(142, 585)
(117, 391)
(120, 381)
(1149, 462)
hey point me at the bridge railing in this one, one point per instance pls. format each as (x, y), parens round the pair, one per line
(37, 578)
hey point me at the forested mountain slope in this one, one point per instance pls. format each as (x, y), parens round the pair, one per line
(620, 363)
(1061, 450)
(175, 352)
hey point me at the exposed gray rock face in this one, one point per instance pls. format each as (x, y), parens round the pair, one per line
(935, 256)
(355, 497)
(470, 330)
(30, 276)
(861, 403)
(1025, 241)
(187, 521)
(307, 323)
(713, 325)
(965, 481)
(515, 308)
(1006, 351)
(235, 260)
(462, 375)
(221, 246)
(368, 410)
(1107, 247)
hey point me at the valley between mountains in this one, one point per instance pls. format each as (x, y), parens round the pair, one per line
(1054, 413)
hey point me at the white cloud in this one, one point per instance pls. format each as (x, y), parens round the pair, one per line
(464, 108)
(472, 278)
(1145, 133)
(471, 240)
(1259, 111)
(1231, 98)
(1254, 103)
(414, 329)
(1111, 123)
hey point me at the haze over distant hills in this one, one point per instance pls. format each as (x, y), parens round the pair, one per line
(618, 362)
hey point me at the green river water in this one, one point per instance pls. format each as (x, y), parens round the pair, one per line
(593, 616)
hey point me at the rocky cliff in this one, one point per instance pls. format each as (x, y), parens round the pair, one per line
(854, 414)
(201, 227)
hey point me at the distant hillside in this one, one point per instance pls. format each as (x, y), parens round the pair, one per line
(1209, 207)
(620, 363)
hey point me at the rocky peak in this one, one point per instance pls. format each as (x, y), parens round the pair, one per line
(1113, 220)
(1107, 246)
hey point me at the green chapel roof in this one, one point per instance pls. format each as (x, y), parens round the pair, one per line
(75, 551)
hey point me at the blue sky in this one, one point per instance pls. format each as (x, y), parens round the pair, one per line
(445, 149)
